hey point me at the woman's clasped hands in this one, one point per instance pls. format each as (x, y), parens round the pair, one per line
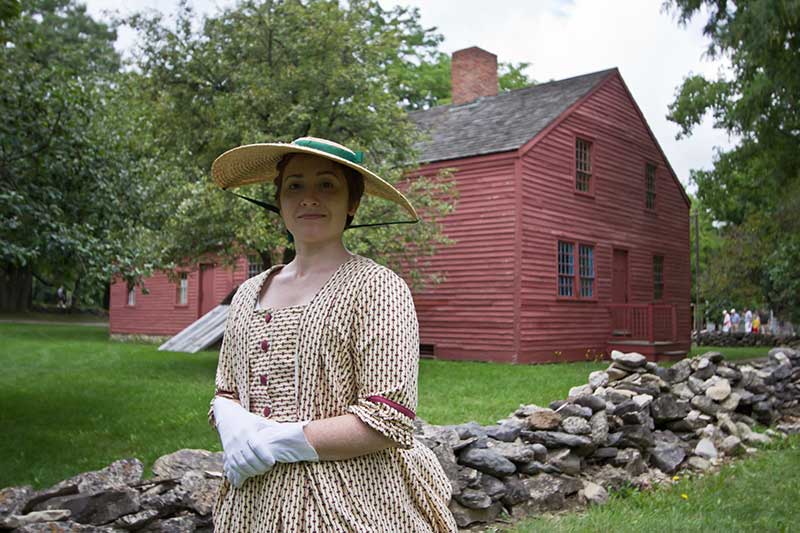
(252, 445)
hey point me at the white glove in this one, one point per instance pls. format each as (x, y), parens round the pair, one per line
(283, 442)
(236, 426)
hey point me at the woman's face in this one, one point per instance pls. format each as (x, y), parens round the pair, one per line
(313, 199)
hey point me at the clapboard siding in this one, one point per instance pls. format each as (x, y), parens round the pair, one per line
(157, 313)
(470, 315)
(615, 216)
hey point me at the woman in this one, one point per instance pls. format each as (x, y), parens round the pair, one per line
(317, 376)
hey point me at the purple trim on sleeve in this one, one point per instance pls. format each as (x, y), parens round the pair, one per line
(394, 405)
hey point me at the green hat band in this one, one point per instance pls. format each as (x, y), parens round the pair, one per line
(354, 157)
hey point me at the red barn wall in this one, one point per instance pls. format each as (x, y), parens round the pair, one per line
(158, 313)
(471, 314)
(614, 217)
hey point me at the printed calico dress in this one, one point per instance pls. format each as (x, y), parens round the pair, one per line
(353, 349)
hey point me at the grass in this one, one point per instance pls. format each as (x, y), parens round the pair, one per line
(733, 353)
(54, 317)
(757, 494)
(74, 401)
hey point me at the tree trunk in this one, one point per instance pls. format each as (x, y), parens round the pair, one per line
(75, 295)
(16, 284)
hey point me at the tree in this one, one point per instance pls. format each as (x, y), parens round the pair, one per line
(66, 191)
(254, 73)
(753, 188)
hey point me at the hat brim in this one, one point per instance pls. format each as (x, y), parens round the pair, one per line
(258, 163)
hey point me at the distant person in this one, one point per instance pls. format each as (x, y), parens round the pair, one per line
(735, 320)
(756, 323)
(726, 322)
(61, 296)
(748, 321)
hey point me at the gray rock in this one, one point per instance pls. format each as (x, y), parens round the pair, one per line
(698, 463)
(729, 373)
(504, 432)
(438, 434)
(619, 396)
(642, 400)
(516, 492)
(566, 461)
(136, 521)
(201, 491)
(732, 446)
(465, 516)
(632, 360)
(714, 357)
(571, 409)
(667, 457)
(591, 401)
(538, 467)
(705, 448)
(598, 378)
(544, 419)
(679, 372)
(576, 425)
(696, 385)
(487, 461)
(791, 353)
(474, 499)
(667, 408)
(493, 487)
(638, 418)
(14, 499)
(604, 454)
(631, 460)
(176, 524)
(97, 508)
(599, 428)
(36, 517)
(540, 451)
(704, 368)
(548, 491)
(637, 437)
(580, 390)
(705, 405)
(469, 429)
(644, 388)
(515, 452)
(731, 402)
(593, 493)
(175, 465)
(628, 406)
(556, 439)
(66, 527)
(615, 373)
(719, 390)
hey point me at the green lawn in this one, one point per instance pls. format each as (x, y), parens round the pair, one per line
(74, 401)
(733, 353)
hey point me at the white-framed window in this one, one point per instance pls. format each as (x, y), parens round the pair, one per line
(183, 289)
(132, 296)
(583, 165)
(576, 282)
(650, 186)
(253, 265)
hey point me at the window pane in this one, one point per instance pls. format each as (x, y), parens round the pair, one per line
(586, 258)
(183, 289)
(566, 268)
(253, 265)
(650, 186)
(132, 296)
(583, 165)
(658, 277)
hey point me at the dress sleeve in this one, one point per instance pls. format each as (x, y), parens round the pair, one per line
(386, 357)
(224, 383)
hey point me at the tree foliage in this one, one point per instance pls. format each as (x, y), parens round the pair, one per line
(273, 71)
(753, 189)
(64, 198)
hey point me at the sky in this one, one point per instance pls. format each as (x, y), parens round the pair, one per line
(560, 39)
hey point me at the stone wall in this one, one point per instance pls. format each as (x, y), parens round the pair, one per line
(717, 338)
(634, 424)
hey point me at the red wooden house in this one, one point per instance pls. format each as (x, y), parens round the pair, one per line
(571, 229)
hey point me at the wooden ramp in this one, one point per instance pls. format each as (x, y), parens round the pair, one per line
(202, 333)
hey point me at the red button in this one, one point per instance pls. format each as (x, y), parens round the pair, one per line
(267, 318)
(263, 379)
(264, 345)
(267, 411)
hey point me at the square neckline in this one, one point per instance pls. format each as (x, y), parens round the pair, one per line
(258, 309)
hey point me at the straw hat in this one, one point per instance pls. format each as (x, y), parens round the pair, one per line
(255, 163)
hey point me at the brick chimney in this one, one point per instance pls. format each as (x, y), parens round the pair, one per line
(473, 73)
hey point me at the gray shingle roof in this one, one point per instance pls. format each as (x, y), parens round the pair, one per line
(497, 123)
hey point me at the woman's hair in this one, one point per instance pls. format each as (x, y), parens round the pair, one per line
(354, 179)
